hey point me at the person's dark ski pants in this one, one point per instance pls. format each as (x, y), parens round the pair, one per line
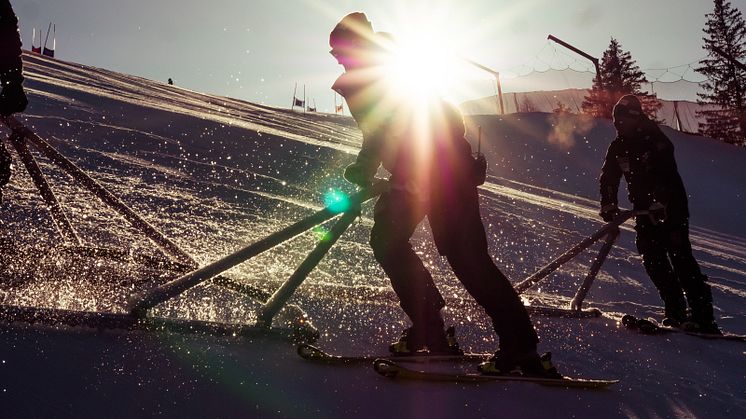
(667, 256)
(459, 235)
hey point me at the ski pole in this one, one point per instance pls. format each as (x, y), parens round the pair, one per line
(479, 141)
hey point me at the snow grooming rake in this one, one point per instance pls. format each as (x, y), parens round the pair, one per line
(294, 321)
(21, 134)
(609, 232)
(279, 298)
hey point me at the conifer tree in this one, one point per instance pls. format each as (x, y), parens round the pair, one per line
(619, 76)
(725, 87)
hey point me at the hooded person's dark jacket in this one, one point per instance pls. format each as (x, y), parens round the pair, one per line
(647, 162)
(10, 41)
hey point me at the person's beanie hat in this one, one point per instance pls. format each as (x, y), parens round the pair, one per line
(628, 105)
(351, 30)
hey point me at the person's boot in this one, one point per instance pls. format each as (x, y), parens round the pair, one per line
(703, 318)
(416, 341)
(437, 345)
(675, 309)
(529, 364)
(673, 322)
(674, 317)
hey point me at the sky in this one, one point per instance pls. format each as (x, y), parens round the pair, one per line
(258, 50)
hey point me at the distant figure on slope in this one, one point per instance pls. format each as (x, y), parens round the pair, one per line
(12, 97)
(433, 174)
(170, 81)
(645, 157)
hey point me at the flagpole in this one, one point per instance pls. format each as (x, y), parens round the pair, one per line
(49, 29)
(295, 89)
(304, 98)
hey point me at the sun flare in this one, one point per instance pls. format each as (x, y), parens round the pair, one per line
(423, 66)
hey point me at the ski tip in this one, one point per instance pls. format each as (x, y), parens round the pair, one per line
(594, 312)
(629, 320)
(601, 382)
(308, 351)
(386, 367)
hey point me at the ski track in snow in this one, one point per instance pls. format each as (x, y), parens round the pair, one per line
(215, 174)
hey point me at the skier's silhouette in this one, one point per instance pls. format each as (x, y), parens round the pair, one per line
(433, 174)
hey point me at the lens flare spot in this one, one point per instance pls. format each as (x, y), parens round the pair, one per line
(336, 201)
(321, 233)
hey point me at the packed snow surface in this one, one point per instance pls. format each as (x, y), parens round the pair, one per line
(215, 174)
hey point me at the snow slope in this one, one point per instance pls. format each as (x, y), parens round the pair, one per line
(215, 173)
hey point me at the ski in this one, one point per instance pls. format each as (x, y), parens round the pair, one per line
(652, 327)
(315, 354)
(391, 369)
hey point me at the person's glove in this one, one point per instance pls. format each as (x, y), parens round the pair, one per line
(657, 212)
(609, 212)
(479, 169)
(355, 173)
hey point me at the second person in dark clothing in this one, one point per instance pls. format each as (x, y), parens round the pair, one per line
(645, 157)
(433, 174)
(12, 97)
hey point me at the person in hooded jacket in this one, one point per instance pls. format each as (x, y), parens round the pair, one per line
(12, 98)
(644, 156)
(434, 175)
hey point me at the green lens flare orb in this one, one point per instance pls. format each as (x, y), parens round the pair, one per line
(336, 201)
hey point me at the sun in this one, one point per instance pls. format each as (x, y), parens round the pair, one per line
(437, 38)
(431, 49)
(432, 42)
(422, 65)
